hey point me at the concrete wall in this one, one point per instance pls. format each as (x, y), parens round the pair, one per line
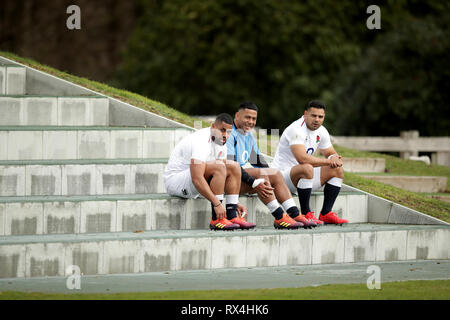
(380, 210)
(163, 252)
(396, 144)
(81, 179)
(441, 158)
(120, 114)
(83, 143)
(12, 79)
(2, 79)
(414, 183)
(55, 215)
(150, 212)
(53, 111)
(364, 164)
(408, 144)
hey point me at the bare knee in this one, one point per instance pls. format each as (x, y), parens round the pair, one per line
(339, 173)
(217, 169)
(276, 177)
(233, 168)
(301, 171)
(308, 171)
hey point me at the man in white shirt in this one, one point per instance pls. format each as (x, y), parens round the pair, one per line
(198, 165)
(304, 172)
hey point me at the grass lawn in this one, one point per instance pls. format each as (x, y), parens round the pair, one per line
(398, 166)
(408, 290)
(423, 203)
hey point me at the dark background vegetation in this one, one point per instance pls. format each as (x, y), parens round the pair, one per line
(205, 57)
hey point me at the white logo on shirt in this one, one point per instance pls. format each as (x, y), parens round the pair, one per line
(244, 156)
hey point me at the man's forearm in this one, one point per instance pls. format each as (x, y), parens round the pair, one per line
(314, 161)
(303, 157)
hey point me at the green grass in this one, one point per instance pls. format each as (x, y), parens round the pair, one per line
(398, 166)
(423, 203)
(420, 202)
(408, 290)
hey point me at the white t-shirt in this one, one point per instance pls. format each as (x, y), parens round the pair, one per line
(298, 133)
(197, 145)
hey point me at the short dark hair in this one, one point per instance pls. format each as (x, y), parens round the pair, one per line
(248, 105)
(224, 117)
(315, 104)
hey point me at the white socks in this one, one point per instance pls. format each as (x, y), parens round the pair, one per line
(289, 203)
(305, 183)
(273, 205)
(337, 182)
(232, 198)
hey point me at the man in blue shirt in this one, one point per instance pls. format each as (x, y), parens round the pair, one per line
(257, 176)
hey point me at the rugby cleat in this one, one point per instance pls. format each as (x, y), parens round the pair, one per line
(223, 224)
(307, 223)
(332, 218)
(286, 222)
(243, 224)
(310, 216)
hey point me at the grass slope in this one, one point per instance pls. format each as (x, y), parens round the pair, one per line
(420, 202)
(398, 166)
(408, 290)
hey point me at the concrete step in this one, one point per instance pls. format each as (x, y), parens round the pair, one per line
(114, 213)
(236, 278)
(364, 164)
(48, 143)
(81, 177)
(413, 183)
(12, 79)
(34, 110)
(442, 197)
(164, 251)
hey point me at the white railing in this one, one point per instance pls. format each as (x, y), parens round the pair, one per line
(408, 144)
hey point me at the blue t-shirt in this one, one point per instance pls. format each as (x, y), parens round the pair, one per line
(242, 147)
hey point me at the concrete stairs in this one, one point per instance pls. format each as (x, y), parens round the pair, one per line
(36, 215)
(163, 250)
(81, 184)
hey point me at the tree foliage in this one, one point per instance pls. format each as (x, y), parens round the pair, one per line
(205, 57)
(402, 82)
